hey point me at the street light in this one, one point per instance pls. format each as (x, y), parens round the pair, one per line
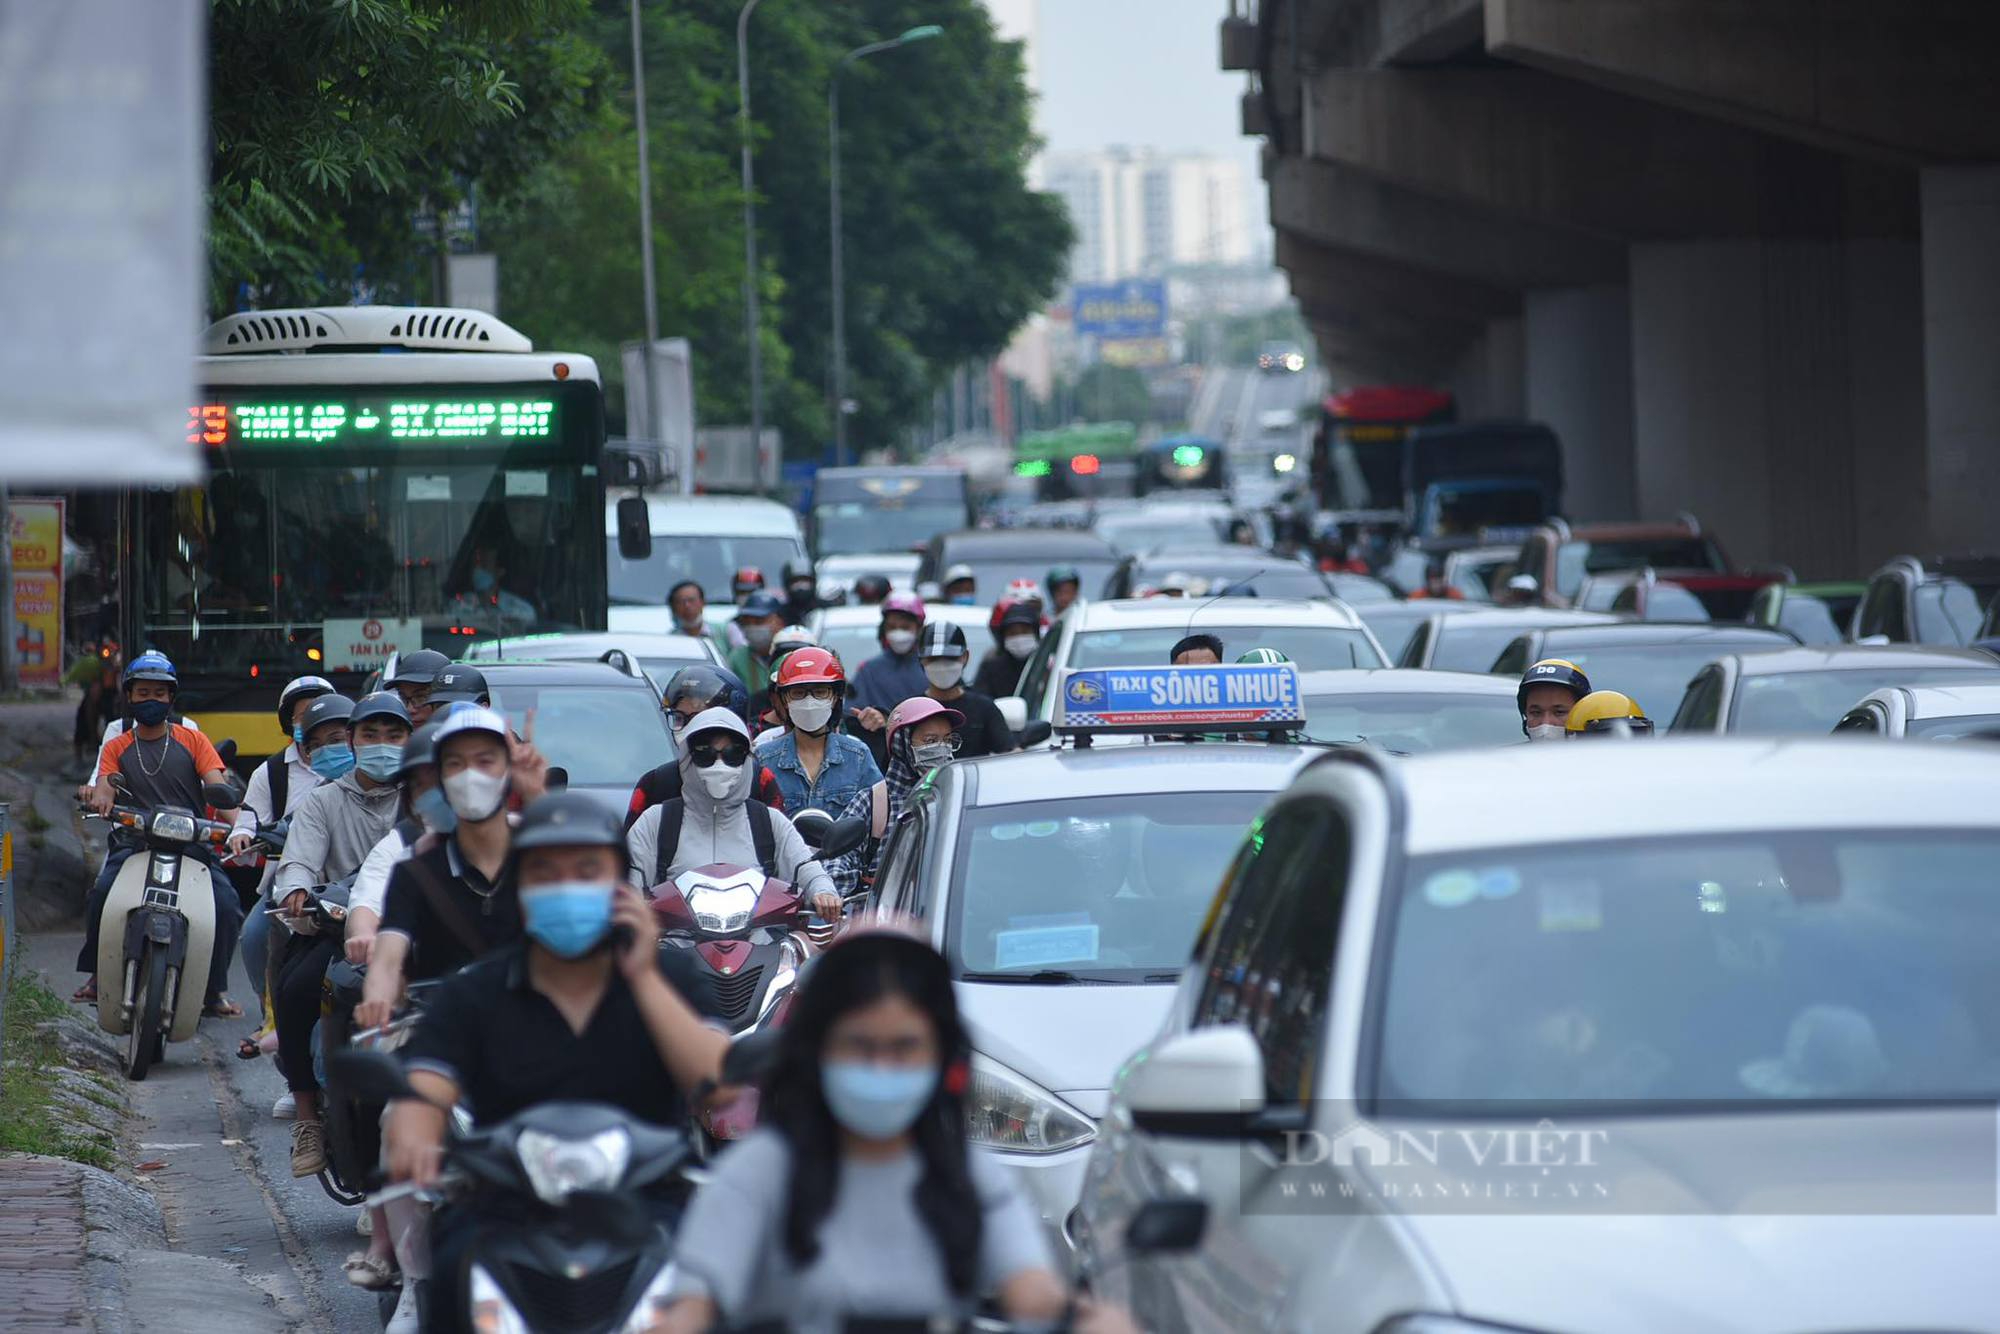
(645, 234)
(751, 324)
(917, 34)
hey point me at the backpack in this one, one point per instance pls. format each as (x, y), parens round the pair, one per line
(673, 814)
(279, 775)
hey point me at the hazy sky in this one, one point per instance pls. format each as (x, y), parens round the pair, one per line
(1138, 72)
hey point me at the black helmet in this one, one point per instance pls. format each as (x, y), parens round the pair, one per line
(571, 820)
(381, 704)
(419, 668)
(459, 684)
(710, 687)
(941, 639)
(420, 750)
(870, 589)
(297, 692)
(326, 709)
(796, 570)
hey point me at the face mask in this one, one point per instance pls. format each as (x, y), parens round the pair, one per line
(810, 715)
(944, 675)
(1548, 732)
(900, 641)
(436, 813)
(932, 754)
(800, 593)
(299, 735)
(961, 600)
(475, 795)
(568, 919)
(482, 581)
(757, 636)
(719, 780)
(1020, 645)
(873, 1101)
(333, 760)
(379, 761)
(151, 712)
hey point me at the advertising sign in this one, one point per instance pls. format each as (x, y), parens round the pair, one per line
(1220, 697)
(1136, 308)
(1135, 352)
(360, 646)
(35, 530)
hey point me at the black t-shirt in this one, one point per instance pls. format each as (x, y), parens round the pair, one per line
(999, 674)
(507, 1047)
(984, 731)
(439, 944)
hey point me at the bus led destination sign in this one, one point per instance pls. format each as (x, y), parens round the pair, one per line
(374, 419)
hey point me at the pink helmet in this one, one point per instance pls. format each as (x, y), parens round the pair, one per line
(907, 603)
(917, 708)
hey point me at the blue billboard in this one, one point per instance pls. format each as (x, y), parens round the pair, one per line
(1136, 308)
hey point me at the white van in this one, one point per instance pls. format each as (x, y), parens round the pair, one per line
(704, 538)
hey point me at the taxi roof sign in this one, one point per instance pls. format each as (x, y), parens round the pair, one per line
(1237, 697)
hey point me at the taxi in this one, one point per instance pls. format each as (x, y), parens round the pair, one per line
(1700, 1038)
(1065, 887)
(1317, 635)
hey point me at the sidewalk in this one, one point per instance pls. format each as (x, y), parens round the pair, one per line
(41, 1243)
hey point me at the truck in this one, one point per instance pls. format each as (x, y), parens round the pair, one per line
(1467, 478)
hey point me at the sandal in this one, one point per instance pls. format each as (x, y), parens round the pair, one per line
(221, 1007)
(247, 1049)
(86, 994)
(372, 1272)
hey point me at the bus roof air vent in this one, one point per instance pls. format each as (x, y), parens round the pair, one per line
(363, 329)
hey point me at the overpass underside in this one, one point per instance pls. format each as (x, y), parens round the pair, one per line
(1743, 255)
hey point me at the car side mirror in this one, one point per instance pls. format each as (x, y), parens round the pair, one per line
(1013, 712)
(635, 529)
(1035, 733)
(844, 836)
(1207, 1084)
(1167, 1227)
(556, 779)
(368, 1075)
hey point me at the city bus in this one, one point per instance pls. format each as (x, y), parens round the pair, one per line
(1357, 459)
(1081, 462)
(379, 479)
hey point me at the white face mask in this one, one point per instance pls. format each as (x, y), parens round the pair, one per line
(900, 641)
(474, 794)
(719, 779)
(1020, 645)
(944, 673)
(1548, 732)
(810, 715)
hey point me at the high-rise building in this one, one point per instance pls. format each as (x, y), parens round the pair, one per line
(1141, 212)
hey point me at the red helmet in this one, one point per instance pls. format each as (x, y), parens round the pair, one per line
(745, 579)
(1007, 604)
(907, 603)
(808, 667)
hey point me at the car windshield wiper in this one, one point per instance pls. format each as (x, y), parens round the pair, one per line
(1046, 977)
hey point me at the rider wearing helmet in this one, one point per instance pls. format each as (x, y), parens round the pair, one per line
(1016, 628)
(961, 585)
(896, 674)
(283, 778)
(870, 589)
(759, 618)
(786, 640)
(690, 691)
(1264, 656)
(1549, 690)
(923, 735)
(945, 656)
(1607, 713)
(1064, 582)
(801, 592)
(412, 681)
(744, 582)
(817, 766)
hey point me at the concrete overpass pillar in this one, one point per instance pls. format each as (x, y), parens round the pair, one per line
(1579, 381)
(1487, 376)
(1961, 287)
(1762, 371)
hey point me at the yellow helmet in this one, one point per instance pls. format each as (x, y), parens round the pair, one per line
(1608, 713)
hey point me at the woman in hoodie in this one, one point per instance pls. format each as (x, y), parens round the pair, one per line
(922, 736)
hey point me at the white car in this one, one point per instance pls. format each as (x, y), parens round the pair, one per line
(703, 538)
(1618, 1036)
(1929, 713)
(1409, 712)
(657, 656)
(1320, 635)
(850, 631)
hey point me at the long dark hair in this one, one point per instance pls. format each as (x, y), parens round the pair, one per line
(852, 975)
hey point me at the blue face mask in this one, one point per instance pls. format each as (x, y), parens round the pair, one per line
(482, 581)
(962, 600)
(151, 712)
(299, 735)
(379, 760)
(876, 1101)
(435, 811)
(332, 760)
(569, 919)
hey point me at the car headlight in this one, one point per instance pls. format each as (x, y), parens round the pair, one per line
(557, 1166)
(492, 1313)
(722, 909)
(1009, 1111)
(174, 826)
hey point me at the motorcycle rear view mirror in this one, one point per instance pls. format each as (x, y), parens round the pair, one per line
(225, 795)
(226, 749)
(813, 826)
(751, 1056)
(844, 836)
(1036, 732)
(364, 1073)
(557, 779)
(635, 529)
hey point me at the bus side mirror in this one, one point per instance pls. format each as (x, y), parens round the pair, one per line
(635, 529)
(556, 780)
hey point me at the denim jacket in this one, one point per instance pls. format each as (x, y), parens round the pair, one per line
(849, 768)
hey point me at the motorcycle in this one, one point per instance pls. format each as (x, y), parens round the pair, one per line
(156, 932)
(564, 1239)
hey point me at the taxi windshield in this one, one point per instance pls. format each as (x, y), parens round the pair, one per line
(1108, 889)
(1808, 703)
(1414, 724)
(1313, 648)
(1746, 969)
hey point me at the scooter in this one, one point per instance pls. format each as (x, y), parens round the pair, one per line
(156, 933)
(564, 1240)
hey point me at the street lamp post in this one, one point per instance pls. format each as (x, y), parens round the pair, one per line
(752, 325)
(917, 34)
(648, 357)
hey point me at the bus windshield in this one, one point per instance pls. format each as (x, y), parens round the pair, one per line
(845, 526)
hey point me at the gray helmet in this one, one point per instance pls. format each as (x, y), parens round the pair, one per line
(571, 820)
(459, 684)
(419, 668)
(325, 709)
(381, 704)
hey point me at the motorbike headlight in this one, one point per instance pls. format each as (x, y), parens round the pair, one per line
(174, 826)
(716, 908)
(557, 1166)
(1009, 1111)
(492, 1313)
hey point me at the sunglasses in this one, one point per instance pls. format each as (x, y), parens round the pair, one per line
(732, 752)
